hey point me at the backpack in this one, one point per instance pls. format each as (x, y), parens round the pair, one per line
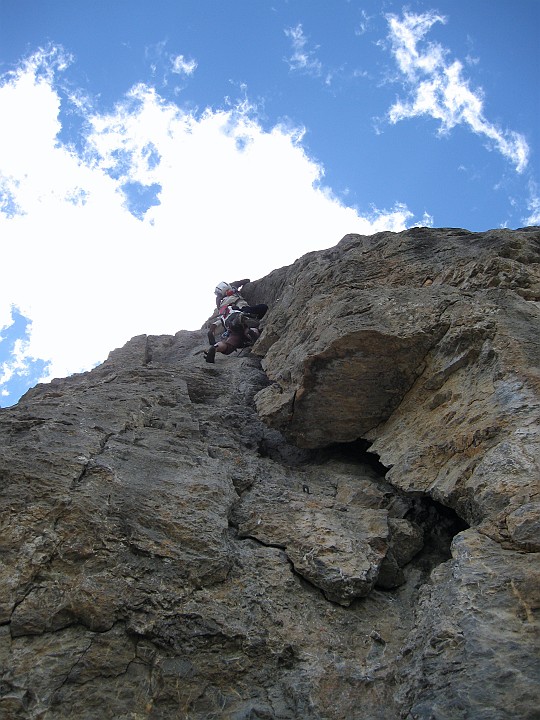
(234, 321)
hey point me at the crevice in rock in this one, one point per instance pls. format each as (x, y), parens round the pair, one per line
(420, 530)
(438, 522)
(440, 525)
(356, 451)
(276, 546)
(91, 466)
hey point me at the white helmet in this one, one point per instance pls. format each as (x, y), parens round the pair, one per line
(221, 288)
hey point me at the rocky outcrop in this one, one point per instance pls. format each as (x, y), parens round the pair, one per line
(427, 344)
(341, 523)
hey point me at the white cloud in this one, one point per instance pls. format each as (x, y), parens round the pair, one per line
(437, 88)
(181, 66)
(364, 23)
(533, 205)
(427, 221)
(302, 58)
(232, 200)
(16, 365)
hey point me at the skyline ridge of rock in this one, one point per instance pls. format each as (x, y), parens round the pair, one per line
(342, 522)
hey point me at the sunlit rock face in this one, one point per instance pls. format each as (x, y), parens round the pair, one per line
(426, 343)
(341, 523)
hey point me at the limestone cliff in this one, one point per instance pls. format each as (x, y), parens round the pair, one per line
(342, 523)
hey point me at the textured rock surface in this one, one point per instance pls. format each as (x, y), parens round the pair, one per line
(183, 540)
(428, 344)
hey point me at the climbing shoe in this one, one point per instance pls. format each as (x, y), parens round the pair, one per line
(210, 355)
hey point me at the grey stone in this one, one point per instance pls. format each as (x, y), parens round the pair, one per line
(341, 523)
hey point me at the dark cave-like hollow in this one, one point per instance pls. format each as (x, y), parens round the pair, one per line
(355, 451)
(439, 523)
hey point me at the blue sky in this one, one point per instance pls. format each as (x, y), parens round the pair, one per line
(151, 148)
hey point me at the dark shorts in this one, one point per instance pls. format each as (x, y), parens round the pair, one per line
(233, 341)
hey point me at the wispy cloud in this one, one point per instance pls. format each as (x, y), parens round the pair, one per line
(437, 87)
(364, 23)
(533, 205)
(181, 66)
(163, 63)
(302, 58)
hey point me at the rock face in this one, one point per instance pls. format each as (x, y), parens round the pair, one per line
(342, 523)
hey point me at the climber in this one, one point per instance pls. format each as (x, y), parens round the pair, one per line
(228, 298)
(241, 330)
(229, 295)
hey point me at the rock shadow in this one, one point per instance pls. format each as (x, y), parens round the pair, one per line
(438, 523)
